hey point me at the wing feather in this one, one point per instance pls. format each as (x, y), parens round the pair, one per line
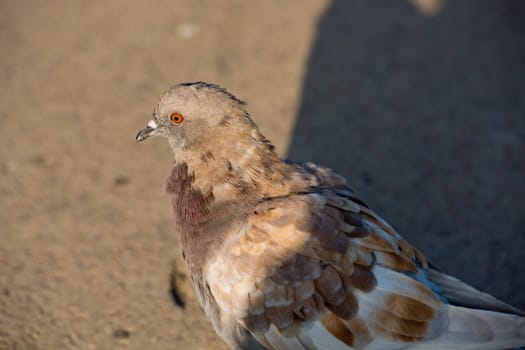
(461, 294)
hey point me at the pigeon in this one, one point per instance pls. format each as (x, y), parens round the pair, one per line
(284, 255)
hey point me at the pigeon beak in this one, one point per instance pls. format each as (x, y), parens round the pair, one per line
(146, 132)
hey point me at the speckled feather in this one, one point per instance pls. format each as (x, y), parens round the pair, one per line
(286, 256)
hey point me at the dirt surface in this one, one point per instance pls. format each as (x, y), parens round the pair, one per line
(87, 246)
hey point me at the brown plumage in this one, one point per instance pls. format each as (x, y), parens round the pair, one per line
(285, 256)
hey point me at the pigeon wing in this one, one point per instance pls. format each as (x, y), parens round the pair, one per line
(322, 271)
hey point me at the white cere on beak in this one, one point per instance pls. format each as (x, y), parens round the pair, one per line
(152, 124)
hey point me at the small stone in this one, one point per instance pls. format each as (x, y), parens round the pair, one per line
(121, 333)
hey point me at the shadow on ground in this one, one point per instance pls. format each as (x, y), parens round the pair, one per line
(424, 113)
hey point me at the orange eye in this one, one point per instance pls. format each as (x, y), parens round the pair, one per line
(176, 118)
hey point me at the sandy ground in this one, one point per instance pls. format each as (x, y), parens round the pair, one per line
(420, 106)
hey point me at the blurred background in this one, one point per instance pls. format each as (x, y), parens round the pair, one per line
(420, 104)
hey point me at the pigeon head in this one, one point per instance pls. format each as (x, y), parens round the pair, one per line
(214, 139)
(191, 114)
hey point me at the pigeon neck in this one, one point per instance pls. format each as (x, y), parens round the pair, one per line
(213, 195)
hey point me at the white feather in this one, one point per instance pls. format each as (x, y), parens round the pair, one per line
(478, 330)
(399, 283)
(315, 336)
